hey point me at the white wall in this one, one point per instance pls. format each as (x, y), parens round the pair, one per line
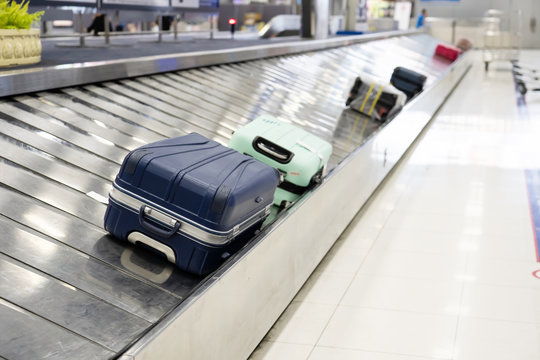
(462, 8)
(469, 9)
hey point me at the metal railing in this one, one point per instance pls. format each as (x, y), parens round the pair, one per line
(107, 34)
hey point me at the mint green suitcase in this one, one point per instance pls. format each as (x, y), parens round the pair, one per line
(299, 156)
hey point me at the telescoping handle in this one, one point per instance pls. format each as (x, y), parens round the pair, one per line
(154, 229)
(273, 151)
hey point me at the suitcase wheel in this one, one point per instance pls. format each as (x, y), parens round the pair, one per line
(522, 88)
(284, 204)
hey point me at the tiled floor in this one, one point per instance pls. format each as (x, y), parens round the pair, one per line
(439, 265)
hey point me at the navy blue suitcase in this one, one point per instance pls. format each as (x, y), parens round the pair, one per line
(408, 81)
(190, 199)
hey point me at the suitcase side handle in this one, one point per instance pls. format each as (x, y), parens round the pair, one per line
(154, 229)
(273, 151)
(125, 260)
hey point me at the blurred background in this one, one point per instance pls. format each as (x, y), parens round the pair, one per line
(448, 20)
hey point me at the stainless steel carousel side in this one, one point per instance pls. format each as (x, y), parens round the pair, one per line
(69, 290)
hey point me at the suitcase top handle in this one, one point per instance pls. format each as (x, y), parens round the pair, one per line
(273, 151)
(154, 229)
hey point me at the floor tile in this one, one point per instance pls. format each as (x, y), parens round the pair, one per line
(391, 331)
(461, 177)
(501, 303)
(426, 221)
(301, 323)
(459, 224)
(270, 350)
(401, 239)
(371, 217)
(496, 340)
(416, 265)
(364, 229)
(446, 200)
(388, 196)
(424, 296)
(361, 237)
(325, 287)
(514, 248)
(327, 353)
(488, 271)
(343, 259)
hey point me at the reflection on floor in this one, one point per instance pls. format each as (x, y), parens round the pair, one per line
(439, 265)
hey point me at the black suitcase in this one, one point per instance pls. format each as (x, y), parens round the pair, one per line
(408, 81)
(374, 98)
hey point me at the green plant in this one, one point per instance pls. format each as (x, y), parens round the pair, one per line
(15, 16)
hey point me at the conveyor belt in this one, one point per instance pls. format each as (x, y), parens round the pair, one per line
(68, 290)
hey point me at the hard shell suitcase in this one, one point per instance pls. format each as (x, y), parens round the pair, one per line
(447, 51)
(408, 81)
(299, 156)
(190, 199)
(375, 98)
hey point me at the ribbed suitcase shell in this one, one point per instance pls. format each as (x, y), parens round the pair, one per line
(306, 159)
(191, 199)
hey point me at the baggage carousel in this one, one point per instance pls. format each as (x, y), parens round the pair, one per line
(69, 290)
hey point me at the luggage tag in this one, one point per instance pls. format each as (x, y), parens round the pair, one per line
(321, 158)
